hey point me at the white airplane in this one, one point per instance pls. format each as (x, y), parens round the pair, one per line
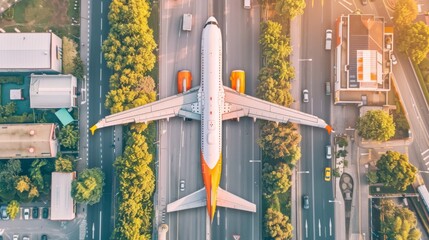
(211, 103)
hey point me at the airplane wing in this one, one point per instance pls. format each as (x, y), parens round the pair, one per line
(193, 200)
(229, 200)
(242, 105)
(182, 105)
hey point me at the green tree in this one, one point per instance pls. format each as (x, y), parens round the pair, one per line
(415, 41)
(12, 209)
(63, 164)
(88, 188)
(290, 8)
(69, 137)
(376, 125)
(9, 172)
(405, 13)
(78, 70)
(280, 142)
(36, 173)
(69, 54)
(372, 177)
(275, 179)
(342, 142)
(278, 225)
(395, 171)
(275, 91)
(23, 184)
(399, 223)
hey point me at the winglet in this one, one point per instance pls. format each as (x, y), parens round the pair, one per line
(329, 129)
(93, 128)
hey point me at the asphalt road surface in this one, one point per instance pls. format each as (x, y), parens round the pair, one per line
(315, 65)
(180, 140)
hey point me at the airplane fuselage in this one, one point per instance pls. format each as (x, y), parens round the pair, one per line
(212, 104)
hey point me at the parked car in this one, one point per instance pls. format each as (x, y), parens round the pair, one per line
(26, 213)
(15, 237)
(3, 211)
(45, 212)
(26, 238)
(305, 97)
(44, 237)
(35, 212)
(305, 202)
(328, 152)
(182, 185)
(327, 174)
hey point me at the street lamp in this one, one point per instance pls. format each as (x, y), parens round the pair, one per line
(423, 171)
(335, 201)
(303, 171)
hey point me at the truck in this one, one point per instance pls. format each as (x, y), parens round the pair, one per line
(187, 22)
(328, 43)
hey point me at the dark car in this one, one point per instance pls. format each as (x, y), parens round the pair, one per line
(3, 213)
(44, 237)
(35, 212)
(45, 213)
(305, 202)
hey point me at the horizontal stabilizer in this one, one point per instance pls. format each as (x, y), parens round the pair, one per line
(229, 200)
(193, 200)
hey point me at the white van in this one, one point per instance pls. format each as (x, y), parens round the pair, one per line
(328, 152)
(247, 4)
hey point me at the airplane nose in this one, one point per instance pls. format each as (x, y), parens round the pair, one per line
(211, 19)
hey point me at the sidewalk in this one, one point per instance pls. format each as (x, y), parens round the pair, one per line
(83, 107)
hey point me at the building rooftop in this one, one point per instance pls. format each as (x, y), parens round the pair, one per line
(52, 91)
(33, 140)
(30, 51)
(62, 203)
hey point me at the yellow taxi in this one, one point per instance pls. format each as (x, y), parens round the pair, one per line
(327, 174)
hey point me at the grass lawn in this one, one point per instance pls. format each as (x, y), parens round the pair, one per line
(43, 15)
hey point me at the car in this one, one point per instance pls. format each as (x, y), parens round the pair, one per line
(327, 174)
(328, 152)
(45, 212)
(26, 213)
(35, 212)
(394, 60)
(364, 2)
(3, 211)
(26, 238)
(305, 97)
(182, 185)
(44, 237)
(305, 202)
(15, 237)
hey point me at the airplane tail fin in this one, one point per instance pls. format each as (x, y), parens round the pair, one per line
(224, 199)
(229, 200)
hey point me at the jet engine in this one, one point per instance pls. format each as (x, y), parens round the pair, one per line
(238, 81)
(184, 81)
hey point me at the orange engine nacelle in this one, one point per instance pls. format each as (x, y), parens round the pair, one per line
(184, 81)
(238, 80)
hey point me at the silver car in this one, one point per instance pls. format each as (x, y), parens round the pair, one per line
(305, 97)
(182, 185)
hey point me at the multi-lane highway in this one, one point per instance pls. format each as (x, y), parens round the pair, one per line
(99, 147)
(180, 140)
(315, 69)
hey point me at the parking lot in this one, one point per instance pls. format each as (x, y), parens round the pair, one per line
(33, 222)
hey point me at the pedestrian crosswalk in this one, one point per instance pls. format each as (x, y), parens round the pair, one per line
(425, 156)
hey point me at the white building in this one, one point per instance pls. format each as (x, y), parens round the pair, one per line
(30, 52)
(53, 91)
(62, 203)
(29, 140)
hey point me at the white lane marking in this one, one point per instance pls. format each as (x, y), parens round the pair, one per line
(183, 138)
(426, 163)
(424, 159)
(99, 230)
(100, 91)
(349, 3)
(320, 228)
(346, 7)
(101, 24)
(101, 59)
(423, 153)
(101, 42)
(101, 7)
(99, 109)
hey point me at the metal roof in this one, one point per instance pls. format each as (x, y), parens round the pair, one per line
(62, 203)
(30, 51)
(52, 91)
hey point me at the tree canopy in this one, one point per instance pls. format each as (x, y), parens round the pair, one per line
(405, 13)
(69, 137)
(414, 40)
(395, 171)
(88, 188)
(63, 164)
(290, 8)
(12, 209)
(376, 125)
(278, 225)
(399, 223)
(276, 179)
